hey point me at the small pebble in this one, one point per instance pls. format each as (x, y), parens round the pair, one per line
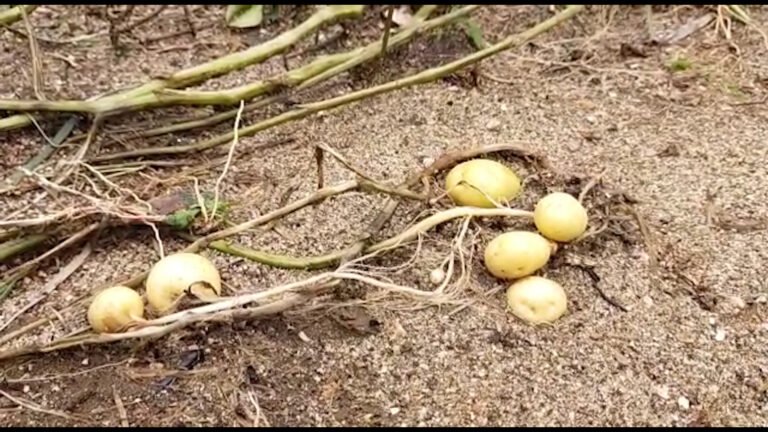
(663, 392)
(394, 410)
(684, 403)
(737, 302)
(493, 125)
(720, 335)
(84, 362)
(648, 300)
(26, 389)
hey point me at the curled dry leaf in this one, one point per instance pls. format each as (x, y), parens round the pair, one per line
(402, 16)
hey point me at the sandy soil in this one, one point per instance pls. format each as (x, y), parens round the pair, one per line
(690, 349)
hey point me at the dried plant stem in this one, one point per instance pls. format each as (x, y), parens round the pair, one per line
(305, 110)
(52, 284)
(226, 165)
(137, 97)
(49, 148)
(441, 163)
(73, 239)
(334, 258)
(37, 64)
(227, 307)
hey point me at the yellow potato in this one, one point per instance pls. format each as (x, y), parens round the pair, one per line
(178, 273)
(537, 300)
(496, 180)
(112, 309)
(516, 254)
(560, 217)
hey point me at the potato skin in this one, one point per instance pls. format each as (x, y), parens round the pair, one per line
(537, 300)
(113, 308)
(498, 181)
(560, 217)
(516, 254)
(170, 277)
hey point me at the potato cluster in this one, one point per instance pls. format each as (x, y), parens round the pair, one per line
(517, 255)
(116, 308)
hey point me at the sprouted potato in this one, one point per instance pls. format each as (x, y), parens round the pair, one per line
(472, 183)
(560, 217)
(516, 254)
(114, 308)
(181, 273)
(537, 300)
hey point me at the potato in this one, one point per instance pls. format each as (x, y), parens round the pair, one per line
(516, 254)
(560, 217)
(114, 308)
(177, 274)
(537, 300)
(492, 178)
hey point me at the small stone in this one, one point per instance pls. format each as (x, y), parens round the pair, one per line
(493, 125)
(663, 392)
(683, 403)
(303, 336)
(720, 335)
(85, 362)
(394, 410)
(712, 321)
(737, 302)
(592, 119)
(648, 300)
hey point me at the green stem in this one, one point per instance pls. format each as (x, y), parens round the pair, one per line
(256, 89)
(311, 108)
(143, 95)
(373, 50)
(14, 14)
(14, 247)
(321, 69)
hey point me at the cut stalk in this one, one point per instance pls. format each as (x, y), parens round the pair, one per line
(305, 110)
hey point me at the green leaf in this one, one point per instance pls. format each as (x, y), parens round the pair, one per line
(182, 219)
(244, 16)
(475, 34)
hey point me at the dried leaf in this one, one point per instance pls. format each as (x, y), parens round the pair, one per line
(244, 16)
(402, 16)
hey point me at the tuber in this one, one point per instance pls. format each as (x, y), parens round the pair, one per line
(537, 300)
(516, 254)
(114, 308)
(482, 183)
(180, 273)
(560, 217)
